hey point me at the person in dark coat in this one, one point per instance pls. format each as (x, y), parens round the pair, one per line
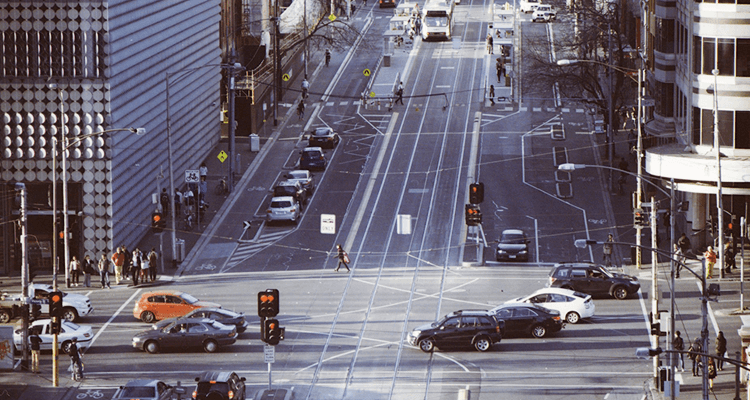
(36, 343)
(721, 350)
(343, 258)
(696, 358)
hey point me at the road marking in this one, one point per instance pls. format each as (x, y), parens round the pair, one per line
(109, 321)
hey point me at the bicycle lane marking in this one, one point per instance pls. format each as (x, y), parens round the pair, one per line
(109, 321)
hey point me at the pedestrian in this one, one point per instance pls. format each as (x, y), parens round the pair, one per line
(118, 259)
(607, 250)
(137, 261)
(189, 197)
(305, 87)
(711, 373)
(343, 258)
(203, 189)
(400, 93)
(492, 94)
(418, 25)
(203, 170)
(164, 201)
(328, 51)
(679, 345)
(499, 66)
(152, 257)
(693, 354)
(75, 271)
(88, 269)
(490, 43)
(301, 109)
(684, 243)
(105, 268)
(76, 357)
(36, 342)
(128, 262)
(679, 257)
(721, 350)
(145, 266)
(710, 256)
(729, 261)
(177, 201)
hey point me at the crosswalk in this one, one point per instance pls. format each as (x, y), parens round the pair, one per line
(247, 249)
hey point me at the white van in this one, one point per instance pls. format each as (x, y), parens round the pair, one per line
(528, 6)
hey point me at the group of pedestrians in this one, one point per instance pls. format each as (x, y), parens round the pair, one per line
(123, 264)
(697, 355)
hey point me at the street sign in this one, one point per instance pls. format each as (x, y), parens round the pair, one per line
(328, 223)
(246, 224)
(285, 77)
(366, 72)
(403, 224)
(331, 17)
(192, 176)
(222, 156)
(269, 354)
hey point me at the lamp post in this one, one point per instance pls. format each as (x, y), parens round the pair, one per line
(719, 202)
(654, 277)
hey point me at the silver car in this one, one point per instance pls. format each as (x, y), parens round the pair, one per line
(284, 208)
(304, 178)
(144, 389)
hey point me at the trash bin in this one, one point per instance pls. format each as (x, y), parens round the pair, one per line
(179, 250)
(386, 60)
(254, 142)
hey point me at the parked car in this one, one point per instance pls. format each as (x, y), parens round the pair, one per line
(592, 279)
(544, 13)
(154, 306)
(74, 305)
(144, 389)
(290, 188)
(512, 245)
(185, 333)
(528, 319)
(572, 305)
(68, 331)
(219, 385)
(226, 317)
(323, 137)
(476, 328)
(283, 208)
(312, 158)
(304, 178)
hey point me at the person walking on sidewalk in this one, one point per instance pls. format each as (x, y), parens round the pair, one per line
(88, 269)
(105, 268)
(710, 256)
(164, 200)
(36, 342)
(328, 56)
(137, 261)
(679, 345)
(711, 372)
(128, 264)
(684, 244)
(400, 93)
(607, 250)
(75, 271)
(305, 87)
(301, 109)
(696, 358)
(721, 350)
(679, 257)
(152, 258)
(490, 43)
(343, 258)
(118, 259)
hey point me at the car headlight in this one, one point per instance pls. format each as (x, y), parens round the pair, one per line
(501, 251)
(415, 333)
(137, 339)
(633, 282)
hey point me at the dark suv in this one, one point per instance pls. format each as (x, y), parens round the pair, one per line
(593, 279)
(219, 385)
(291, 188)
(476, 328)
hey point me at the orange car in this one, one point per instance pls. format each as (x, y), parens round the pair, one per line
(166, 304)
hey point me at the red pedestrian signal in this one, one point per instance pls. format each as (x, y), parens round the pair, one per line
(268, 303)
(473, 215)
(55, 311)
(157, 221)
(271, 331)
(476, 193)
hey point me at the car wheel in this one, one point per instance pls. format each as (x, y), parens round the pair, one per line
(5, 316)
(148, 317)
(210, 346)
(427, 345)
(620, 293)
(538, 331)
(70, 314)
(482, 343)
(65, 346)
(573, 318)
(151, 346)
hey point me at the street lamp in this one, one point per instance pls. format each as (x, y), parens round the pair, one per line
(706, 291)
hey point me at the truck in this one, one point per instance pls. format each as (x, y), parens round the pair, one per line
(74, 305)
(437, 19)
(528, 6)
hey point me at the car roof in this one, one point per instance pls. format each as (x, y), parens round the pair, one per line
(168, 321)
(316, 148)
(576, 264)
(512, 232)
(324, 130)
(468, 312)
(288, 183)
(143, 382)
(218, 376)
(161, 292)
(300, 172)
(557, 290)
(282, 198)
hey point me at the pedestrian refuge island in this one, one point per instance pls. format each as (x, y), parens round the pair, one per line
(499, 66)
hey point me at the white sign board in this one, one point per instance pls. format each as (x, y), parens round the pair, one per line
(192, 176)
(403, 224)
(328, 223)
(269, 354)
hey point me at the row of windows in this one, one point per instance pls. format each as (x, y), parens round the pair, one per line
(723, 1)
(53, 53)
(734, 128)
(729, 55)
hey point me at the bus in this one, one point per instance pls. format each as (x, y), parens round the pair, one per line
(437, 20)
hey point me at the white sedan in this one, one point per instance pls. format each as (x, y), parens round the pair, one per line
(571, 304)
(68, 331)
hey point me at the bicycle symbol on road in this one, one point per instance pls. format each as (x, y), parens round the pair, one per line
(598, 221)
(94, 394)
(256, 189)
(206, 267)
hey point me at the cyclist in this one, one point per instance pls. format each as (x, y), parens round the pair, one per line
(305, 87)
(76, 360)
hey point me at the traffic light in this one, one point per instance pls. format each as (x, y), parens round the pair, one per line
(476, 193)
(268, 303)
(157, 221)
(55, 311)
(710, 226)
(271, 331)
(473, 215)
(640, 218)
(36, 311)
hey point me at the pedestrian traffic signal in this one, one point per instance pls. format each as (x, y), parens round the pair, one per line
(268, 303)
(473, 215)
(36, 311)
(476, 193)
(640, 218)
(157, 221)
(271, 331)
(55, 311)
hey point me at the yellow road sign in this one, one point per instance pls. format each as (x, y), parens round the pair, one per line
(372, 94)
(285, 77)
(366, 72)
(222, 156)
(331, 17)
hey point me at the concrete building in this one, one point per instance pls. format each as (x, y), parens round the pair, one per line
(684, 42)
(108, 60)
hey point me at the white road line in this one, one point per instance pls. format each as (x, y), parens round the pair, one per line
(106, 324)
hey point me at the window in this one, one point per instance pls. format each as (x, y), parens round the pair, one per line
(174, 300)
(709, 52)
(469, 321)
(504, 313)
(451, 323)
(197, 328)
(743, 57)
(726, 57)
(579, 273)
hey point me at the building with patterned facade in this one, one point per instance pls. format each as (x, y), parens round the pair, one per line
(108, 61)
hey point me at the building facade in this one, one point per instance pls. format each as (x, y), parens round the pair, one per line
(80, 68)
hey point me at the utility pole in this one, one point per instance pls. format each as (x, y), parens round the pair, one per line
(230, 92)
(719, 202)
(610, 125)
(654, 287)
(276, 64)
(21, 189)
(638, 156)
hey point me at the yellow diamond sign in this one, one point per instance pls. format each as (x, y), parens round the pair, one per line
(222, 156)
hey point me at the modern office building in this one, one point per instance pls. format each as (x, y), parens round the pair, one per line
(686, 41)
(79, 68)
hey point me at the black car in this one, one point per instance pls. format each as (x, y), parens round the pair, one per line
(219, 385)
(513, 245)
(323, 137)
(226, 317)
(593, 279)
(528, 319)
(312, 158)
(184, 333)
(144, 389)
(304, 178)
(290, 188)
(476, 328)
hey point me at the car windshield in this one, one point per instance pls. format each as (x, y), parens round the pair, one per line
(188, 298)
(311, 154)
(284, 190)
(605, 270)
(298, 175)
(132, 391)
(322, 132)
(71, 326)
(512, 238)
(205, 387)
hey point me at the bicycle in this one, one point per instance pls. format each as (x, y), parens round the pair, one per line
(222, 188)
